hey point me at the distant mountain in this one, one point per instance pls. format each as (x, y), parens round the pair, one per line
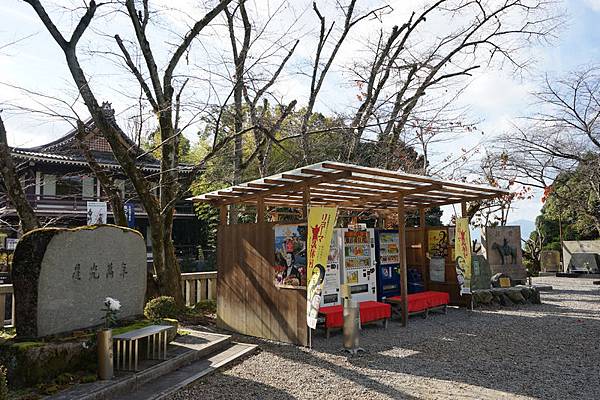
(526, 227)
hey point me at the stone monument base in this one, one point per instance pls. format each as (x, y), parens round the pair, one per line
(507, 296)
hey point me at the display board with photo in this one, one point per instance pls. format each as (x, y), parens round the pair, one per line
(290, 255)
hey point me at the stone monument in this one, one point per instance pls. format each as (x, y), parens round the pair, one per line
(550, 261)
(481, 273)
(62, 276)
(502, 248)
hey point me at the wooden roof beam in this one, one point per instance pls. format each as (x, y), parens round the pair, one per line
(409, 177)
(288, 187)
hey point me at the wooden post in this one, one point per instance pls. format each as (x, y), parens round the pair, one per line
(260, 210)
(403, 272)
(305, 202)
(463, 212)
(423, 231)
(223, 215)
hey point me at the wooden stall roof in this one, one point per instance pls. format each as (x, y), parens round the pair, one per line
(350, 187)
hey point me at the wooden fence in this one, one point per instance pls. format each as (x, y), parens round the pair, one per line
(197, 286)
(6, 292)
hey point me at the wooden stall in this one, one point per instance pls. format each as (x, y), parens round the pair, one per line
(247, 299)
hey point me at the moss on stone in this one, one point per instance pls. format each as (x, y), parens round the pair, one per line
(32, 363)
(131, 327)
(82, 228)
(27, 345)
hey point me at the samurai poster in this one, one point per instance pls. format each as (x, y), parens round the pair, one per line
(320, 231)
(437, 243)
(462, 251)
(290, 255)
(96, 212)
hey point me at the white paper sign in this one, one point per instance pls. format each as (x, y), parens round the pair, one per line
(96, 212)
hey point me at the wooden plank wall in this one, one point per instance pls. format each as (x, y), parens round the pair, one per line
(414, 252)
(451, 284)
(247, 300)
(415, 259)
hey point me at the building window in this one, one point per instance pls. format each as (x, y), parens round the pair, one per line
(69, 186)
(89, 187)
(48, 185)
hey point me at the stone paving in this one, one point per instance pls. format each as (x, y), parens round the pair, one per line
(548, 351)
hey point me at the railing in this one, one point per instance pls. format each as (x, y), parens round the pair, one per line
(6, 291)
(199, 286)
(79, 203)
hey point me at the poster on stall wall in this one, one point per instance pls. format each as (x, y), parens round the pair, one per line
(290, 256)
(462, 251)
(320, 231)
(437, 243)
(96, 212)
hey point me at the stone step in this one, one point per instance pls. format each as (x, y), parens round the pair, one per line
(184, 351)
(176, 380)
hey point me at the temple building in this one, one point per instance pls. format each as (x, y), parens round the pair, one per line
(59, 184)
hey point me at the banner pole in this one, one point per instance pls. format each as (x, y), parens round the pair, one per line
(310, 338)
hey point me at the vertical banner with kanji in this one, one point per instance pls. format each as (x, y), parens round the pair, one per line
(320, 231)
(462, 254)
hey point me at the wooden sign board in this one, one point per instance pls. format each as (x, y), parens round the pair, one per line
(504, 282)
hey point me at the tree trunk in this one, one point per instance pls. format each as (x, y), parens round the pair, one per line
(14, 190)
(106, 182)
(165, 262)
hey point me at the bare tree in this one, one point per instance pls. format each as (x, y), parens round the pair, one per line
(14, 190)
(159, 93)
(107, 182)
(401, 71)
(562, 136)
(322, 64)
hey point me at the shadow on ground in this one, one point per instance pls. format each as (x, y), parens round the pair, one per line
(548, 351)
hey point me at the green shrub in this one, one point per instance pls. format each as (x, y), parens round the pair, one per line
(89, 378)
(206, 307)
(161, 307)
(3, 384)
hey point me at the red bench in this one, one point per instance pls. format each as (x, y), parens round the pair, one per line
(422, 302)
(370, 311)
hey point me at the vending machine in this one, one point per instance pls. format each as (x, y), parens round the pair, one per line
(387, 254)
(331, 295)
(358, 262)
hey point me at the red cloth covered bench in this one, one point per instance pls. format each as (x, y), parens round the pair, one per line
(370, 311)
(423, 302)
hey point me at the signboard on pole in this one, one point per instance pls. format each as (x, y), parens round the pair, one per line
(11, 243)
(320, 231)
(130, 214)
(462, 253)
(96, 212)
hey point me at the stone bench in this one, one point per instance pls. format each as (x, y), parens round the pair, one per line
(127, 345)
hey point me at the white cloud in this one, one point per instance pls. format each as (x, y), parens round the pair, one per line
(593, 4)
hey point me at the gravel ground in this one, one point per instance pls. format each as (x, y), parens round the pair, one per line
(547, 351)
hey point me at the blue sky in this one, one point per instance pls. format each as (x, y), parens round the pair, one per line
(495, 97)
